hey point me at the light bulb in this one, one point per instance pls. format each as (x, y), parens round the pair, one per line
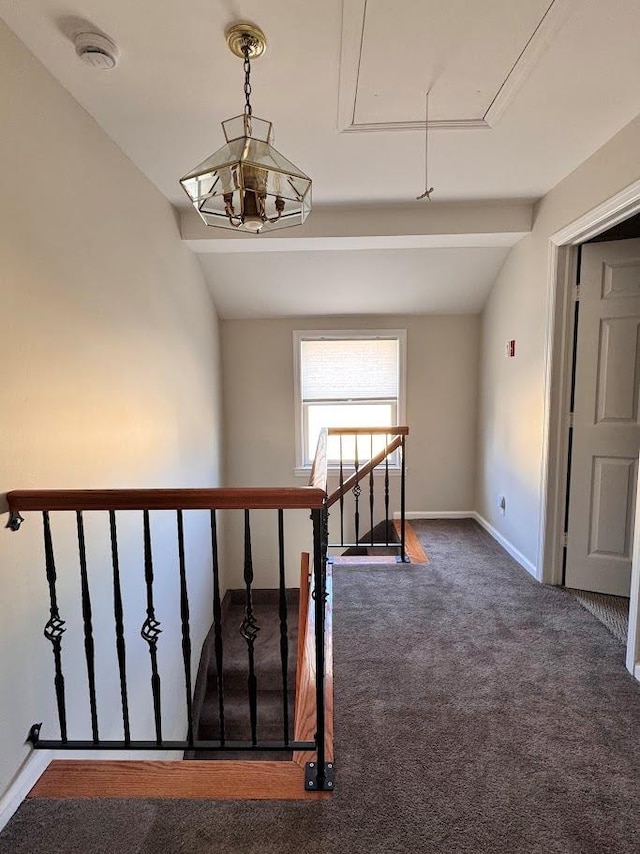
(252, 223)
(251, 219)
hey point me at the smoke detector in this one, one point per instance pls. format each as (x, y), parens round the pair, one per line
(97, 50)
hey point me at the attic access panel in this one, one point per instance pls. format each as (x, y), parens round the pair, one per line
(475, 55)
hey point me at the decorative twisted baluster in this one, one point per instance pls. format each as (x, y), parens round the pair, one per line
(284, 636)
(119, 618)
(249, 629)
(55, 626)
(371, 491)
(184, 616)
(88, 626)
(357, 490)
(217, 623)
(150, 631)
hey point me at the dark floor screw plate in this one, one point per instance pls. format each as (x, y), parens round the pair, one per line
(311, 777)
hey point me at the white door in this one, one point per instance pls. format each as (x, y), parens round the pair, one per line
(606, 432)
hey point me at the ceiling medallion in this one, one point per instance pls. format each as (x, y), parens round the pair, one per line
(247, 185)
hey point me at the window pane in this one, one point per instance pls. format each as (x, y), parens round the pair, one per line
(319, 415)
(349, 369)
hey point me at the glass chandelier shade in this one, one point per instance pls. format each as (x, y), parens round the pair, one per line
(247, 185)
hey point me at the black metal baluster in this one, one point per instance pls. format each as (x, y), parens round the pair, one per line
(403, 556)
(249, 629)
(184, 617)
(88, 626)
(151, 630)
(386, 492)
(319, 570)
(284, 633)
(356, 492)
(371, 490)
(319, 774)
(341, 497)
(55, 627)
(217, 623)
(119, 618)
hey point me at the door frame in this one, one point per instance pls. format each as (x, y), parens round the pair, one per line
(558, 346)
(633, 637)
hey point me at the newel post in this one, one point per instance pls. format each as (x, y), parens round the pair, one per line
(319, 775)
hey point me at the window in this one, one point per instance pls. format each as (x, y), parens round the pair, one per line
(347, 379)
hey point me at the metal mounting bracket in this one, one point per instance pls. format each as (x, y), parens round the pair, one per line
(311, 777)
(34, 734)
(15, 520)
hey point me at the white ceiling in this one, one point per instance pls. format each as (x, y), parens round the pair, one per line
(576, 86)
(522, 91)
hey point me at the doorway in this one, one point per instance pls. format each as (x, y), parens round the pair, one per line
(604, 428)
(614, 220)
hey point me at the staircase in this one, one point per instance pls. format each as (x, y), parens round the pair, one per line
(251, 653)
(382, 533)
(269, 675)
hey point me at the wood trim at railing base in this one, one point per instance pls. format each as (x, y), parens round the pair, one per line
(412, 545)
(305, 714)
(208, 779)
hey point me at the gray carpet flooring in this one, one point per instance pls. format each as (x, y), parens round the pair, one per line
(476, 711)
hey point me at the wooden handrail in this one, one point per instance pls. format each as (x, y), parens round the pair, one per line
(318, 477)
(320, 465)
(250, 498)
(366, 431)
(357, 476)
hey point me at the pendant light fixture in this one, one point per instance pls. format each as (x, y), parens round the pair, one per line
(247, 185)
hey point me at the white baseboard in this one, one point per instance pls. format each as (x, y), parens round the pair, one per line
(636, 672)
(439, 514)
(473, 514)
(524, 562)
(121, 755)
(25, 779)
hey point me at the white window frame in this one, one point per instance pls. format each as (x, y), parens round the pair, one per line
(302, 466)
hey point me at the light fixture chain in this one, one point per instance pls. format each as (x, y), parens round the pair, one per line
(247, 78)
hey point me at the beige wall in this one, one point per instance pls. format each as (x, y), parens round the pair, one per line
(109, 379)
(442, 355)
(512, 391)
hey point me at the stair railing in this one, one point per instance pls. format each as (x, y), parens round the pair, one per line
(247, 500)
(354, 458)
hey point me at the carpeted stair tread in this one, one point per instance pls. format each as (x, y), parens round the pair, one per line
(267, 660)
(237, 721)
(235, 670)
(235, 678)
